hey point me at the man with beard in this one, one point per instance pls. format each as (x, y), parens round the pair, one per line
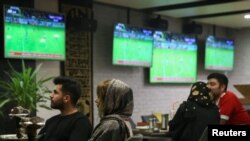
(231, 109)
(70, 124)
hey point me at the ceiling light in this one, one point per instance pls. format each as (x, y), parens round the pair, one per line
(247, 16)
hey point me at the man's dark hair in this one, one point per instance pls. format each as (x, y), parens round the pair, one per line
(70, 87)
(222, 79)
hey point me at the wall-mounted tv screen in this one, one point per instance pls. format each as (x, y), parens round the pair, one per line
(132, 46)
(219, 54)
(33, 34)
(174, 58)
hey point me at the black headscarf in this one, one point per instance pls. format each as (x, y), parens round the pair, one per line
(200, 94)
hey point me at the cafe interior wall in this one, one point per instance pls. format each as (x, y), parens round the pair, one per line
(148, 98)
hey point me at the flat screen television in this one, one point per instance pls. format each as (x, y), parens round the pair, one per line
(174, 58)
(33, 34)
(219, 54)
(132, 46)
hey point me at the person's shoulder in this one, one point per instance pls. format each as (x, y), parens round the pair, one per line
(188, 104)
(230, 94)
(80, 121)
(184, 103)
(230, 97)
(81, 117)
(107, 126)
(186, 109)
(55, 117)
(112, 121)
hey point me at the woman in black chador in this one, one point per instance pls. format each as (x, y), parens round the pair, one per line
(194, 115)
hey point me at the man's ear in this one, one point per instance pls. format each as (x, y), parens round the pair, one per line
(66, 98)
(222, 87)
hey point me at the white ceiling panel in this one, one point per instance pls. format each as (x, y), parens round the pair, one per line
(204, 10)
(232, 21)
(139, 4)
(226, 13)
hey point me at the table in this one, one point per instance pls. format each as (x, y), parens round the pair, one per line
(153, 136)
(12, 137)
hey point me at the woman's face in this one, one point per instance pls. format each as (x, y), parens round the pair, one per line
(99, 105)
(101, 91)
(97, 101)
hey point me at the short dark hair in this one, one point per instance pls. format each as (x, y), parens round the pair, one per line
(222, 79)
(69, 86)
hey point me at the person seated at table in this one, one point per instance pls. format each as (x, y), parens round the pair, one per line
(231, 110)
(115, 106)
(193, 115)
(70, 124)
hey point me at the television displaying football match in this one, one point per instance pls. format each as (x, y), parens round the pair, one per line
(219, 54)
(33, 34)
(132, 46)
(174, 58)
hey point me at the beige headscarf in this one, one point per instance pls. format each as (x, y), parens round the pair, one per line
(117, 106)
(118, 99)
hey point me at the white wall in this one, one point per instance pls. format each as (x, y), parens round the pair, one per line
(241, 73)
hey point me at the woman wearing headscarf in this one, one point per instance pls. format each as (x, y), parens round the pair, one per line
(115, 106)
(193, 115)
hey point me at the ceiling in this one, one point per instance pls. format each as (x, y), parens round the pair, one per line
(226, 13)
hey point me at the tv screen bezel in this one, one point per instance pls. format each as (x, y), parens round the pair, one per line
(181, 80)
(141, 64)
(218, 68)
(31, 56)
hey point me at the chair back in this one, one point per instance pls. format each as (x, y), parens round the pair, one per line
(137, 137)
(204, 135)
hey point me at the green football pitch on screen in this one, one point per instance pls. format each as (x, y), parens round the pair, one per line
(132, 52)
(219, 58)
(173, 66)
(35, 42)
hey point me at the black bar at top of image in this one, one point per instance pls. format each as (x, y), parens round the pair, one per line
(221, 132)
